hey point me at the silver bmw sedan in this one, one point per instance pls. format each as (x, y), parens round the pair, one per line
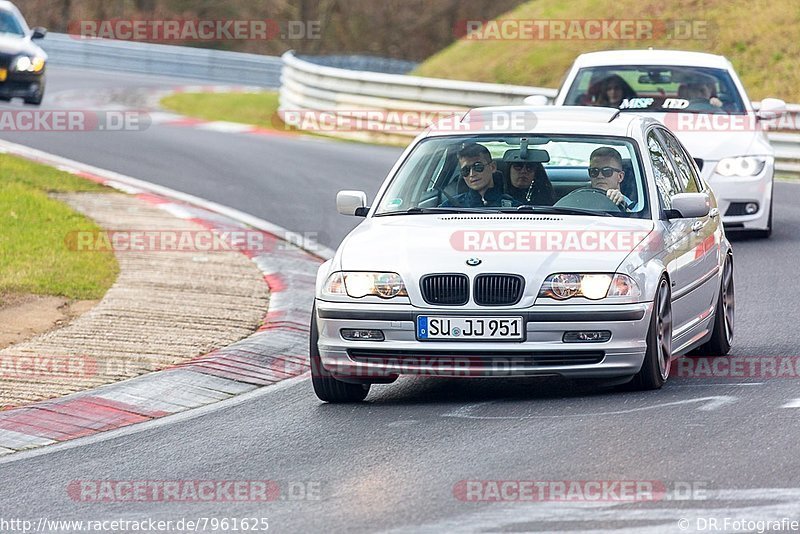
(523, 241)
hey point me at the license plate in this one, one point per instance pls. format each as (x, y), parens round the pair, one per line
(3, 75)
(469, 328)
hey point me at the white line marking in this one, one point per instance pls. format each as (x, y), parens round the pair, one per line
(716, 384)
(225, 127)
(711, 403)
(794, 403)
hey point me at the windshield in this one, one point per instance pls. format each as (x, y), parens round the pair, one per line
(656, 88)
(9, 24)
(566, 174)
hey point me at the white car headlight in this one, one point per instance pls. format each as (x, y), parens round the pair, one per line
(362, 284)
(741, 166)
(563, 286)
(28, 64)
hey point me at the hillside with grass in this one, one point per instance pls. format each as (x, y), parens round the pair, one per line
(761, 38)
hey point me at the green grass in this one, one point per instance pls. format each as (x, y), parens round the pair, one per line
(259, 109)
(35, 257)
(760, 37)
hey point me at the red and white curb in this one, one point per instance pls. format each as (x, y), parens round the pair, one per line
(277, 351)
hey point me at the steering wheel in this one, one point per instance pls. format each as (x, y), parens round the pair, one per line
(589, 198)
(453, 201)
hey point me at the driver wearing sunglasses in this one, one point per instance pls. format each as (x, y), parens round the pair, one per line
(605, 172)
(477, 170)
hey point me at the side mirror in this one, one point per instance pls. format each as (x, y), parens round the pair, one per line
(39, 33)
(699, 162)
(689, 206)
(771, 108)
(536, 100)
(352, 203)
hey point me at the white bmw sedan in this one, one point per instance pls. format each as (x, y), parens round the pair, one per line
(572, 241)
(701, 99)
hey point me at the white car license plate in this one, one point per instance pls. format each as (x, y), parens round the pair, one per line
(469, 328)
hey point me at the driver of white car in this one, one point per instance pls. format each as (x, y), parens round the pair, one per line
(605, 172)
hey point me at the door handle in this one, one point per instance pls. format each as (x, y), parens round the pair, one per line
(713, 213)
(697, 226)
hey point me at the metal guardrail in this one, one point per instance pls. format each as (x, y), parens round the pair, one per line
(787, 151)
(364, 63)
(310, 87)
(168, 60)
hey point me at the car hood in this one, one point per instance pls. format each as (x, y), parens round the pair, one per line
(18, 45)
(416, 245)
(717, 144)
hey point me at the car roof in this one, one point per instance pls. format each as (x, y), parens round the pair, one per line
(652, 57)
(580, 120)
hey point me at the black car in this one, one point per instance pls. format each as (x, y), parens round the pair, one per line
(22, 62)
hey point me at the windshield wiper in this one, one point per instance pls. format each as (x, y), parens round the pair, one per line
(555, 210)
(453, 209)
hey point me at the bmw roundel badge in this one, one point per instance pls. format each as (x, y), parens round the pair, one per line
(472, 262)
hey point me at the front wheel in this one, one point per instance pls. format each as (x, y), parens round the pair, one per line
(36, 98)
(658, 357)
(326, 386)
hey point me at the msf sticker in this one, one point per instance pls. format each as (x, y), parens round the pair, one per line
(636, 103)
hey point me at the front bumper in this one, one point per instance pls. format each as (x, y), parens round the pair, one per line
(743, 189)
(541, 353)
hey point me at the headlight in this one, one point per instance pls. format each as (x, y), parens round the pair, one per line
(563, 286)
(359, 284)
(742, 166)
(28, 64)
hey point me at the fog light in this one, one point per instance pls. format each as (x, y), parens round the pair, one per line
(750, 208)
(588, 336)
(351, 334)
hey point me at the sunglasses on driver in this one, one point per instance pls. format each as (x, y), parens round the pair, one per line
(607, 172)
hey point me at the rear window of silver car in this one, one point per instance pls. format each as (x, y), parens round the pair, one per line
(662, 89)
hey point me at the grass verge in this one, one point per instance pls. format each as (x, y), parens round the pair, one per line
(258, 109)
(35, 257)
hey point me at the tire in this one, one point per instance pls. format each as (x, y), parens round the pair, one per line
(724, 315)
(36, 100)
(326, 387)
(655, 368)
